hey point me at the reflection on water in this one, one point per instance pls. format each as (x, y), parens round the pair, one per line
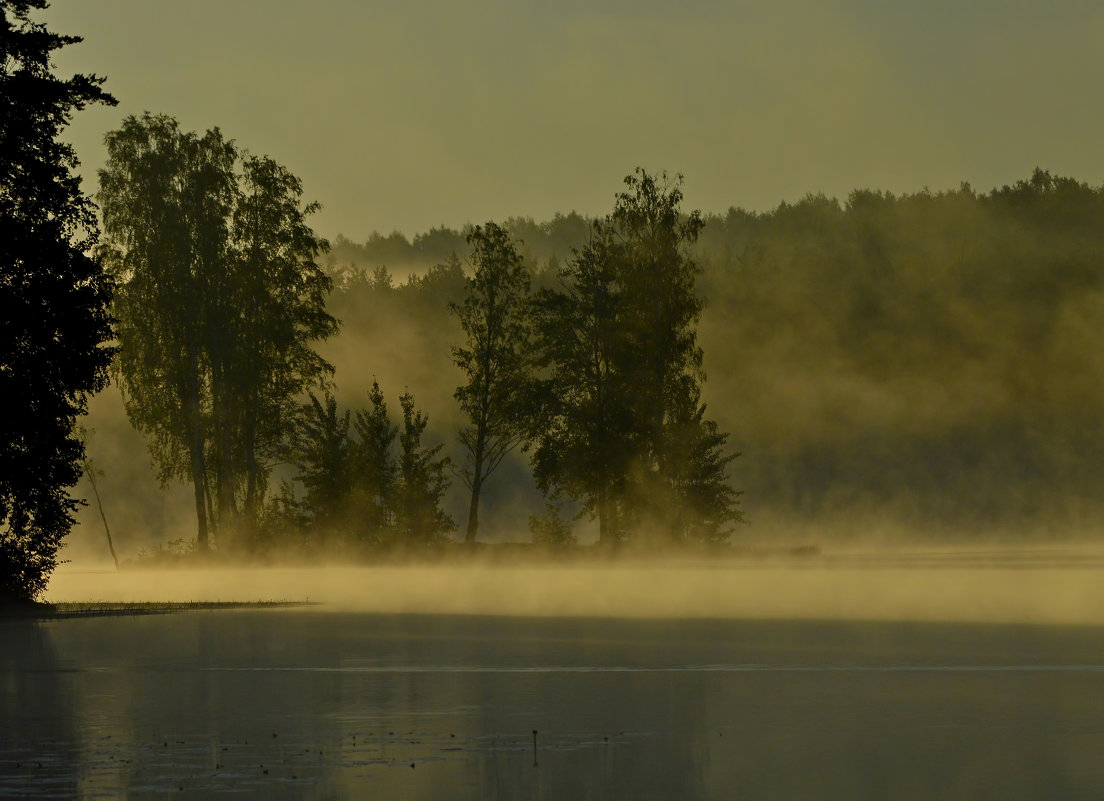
(39, 747)
(307, 703)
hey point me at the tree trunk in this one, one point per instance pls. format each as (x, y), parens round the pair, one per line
(477, 483)
(251, 475)
(199, 476)
(606, 534)
(212, 518)
(199, 482)
(91, 472)
(226, 509)
(473, 510)
(227, 506)
(250, 516)
(249, 521)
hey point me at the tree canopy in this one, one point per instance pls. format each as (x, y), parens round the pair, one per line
(220, 302)
(624, 428)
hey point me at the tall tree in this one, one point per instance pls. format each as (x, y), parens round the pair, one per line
(55, 325)
(677, 449)
(220, 300)
(273, 309)
(166, 197)
(624, 427)
(495, 358)
(585, 443)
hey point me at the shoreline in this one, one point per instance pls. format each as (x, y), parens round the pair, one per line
(63, 610)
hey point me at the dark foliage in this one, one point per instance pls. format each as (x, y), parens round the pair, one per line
(359, 489)
(220, 304)
(375, 470)
(419, 519)
(55, 323)
(623, 427)
(930, 359)
(537, 242)
(326, 465)
(496, 359)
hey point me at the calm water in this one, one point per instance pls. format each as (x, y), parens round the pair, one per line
(305, 703)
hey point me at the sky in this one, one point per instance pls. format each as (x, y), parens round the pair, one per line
(404, 116)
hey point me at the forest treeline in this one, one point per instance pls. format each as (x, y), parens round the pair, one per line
(925, 361)
(929, 361)
(932, 358)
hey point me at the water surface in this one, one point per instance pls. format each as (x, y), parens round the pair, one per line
(318, 704)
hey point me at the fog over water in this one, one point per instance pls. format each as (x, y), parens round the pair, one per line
(1051, 586)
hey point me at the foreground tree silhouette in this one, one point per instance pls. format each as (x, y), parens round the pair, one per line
(678, 489)
(219, 302)
(54, 297)
(496, 358)
(274, 310)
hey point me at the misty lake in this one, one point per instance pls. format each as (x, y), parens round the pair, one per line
(304, 702)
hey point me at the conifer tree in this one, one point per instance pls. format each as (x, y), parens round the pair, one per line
(55, 324)
(376, 471)
(422, 482)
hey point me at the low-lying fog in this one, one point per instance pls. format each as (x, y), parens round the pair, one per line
(1037, 585)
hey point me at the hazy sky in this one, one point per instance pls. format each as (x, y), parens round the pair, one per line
(429, 112)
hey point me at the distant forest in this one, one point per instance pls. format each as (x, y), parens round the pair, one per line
(926, 364)
(930, 362)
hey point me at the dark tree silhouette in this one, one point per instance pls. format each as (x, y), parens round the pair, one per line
(166, 198)
(678, 486)
(325, 460)
(358, 490)
(219, 303)
(584, 445)
(54, 297)
(623, 428)
(272, 310)
(419, 518)
(496, 358)
(376, 472)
